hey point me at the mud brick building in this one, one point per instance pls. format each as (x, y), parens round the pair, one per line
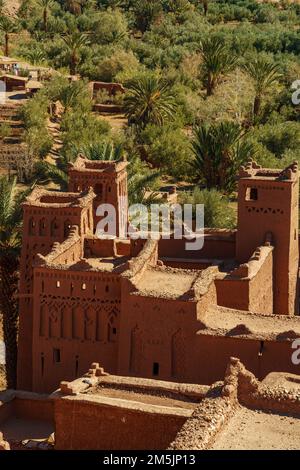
(149, 308)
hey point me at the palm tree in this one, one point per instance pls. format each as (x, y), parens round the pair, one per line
(264, 74)
(146, 12)
(74, 42)
(77, 6)
(10, 245)
(35, 56)
(101, 151)
(45, 5)
(217, 61)
(149, 100)
(219, 150)
(7, 26)
(138, 180)
(72, 94)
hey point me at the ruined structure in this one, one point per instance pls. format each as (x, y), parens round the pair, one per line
(109, 412)
(149, 308)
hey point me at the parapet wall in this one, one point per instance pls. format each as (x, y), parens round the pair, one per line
(249, 287)
(65, 253)
(147, 257)
(85, 422)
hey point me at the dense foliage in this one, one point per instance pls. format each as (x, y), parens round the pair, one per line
(208, 82)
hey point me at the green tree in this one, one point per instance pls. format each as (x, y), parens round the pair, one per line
(34, 56)
(217, 61)
(146, 12)
(7, 26)
(74, 43)
(139, 177)
(149, 100)
(45, 5)
(264, 74)
(10, 245)
(217, 210)
(219, 150)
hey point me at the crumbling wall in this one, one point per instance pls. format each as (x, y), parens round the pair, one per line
(254, 394)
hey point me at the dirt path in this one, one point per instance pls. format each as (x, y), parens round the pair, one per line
(257, 430)
(11, 7)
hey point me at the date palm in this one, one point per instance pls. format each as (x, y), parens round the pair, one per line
(217, 61)
(138, 179)
(74, 43)
(35, 56)
(149, 100)
(219, 150)
(7, 26)
(10, 246)
(45, 5)
(77, 6)
(264, 74)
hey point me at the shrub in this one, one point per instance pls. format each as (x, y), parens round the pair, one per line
(218, 211)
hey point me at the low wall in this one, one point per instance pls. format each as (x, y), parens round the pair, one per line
(218, 245)
(108, 108)
(26, 405)
(110, 424)
(253, 394)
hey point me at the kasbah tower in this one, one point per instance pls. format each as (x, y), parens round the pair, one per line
(148, 308)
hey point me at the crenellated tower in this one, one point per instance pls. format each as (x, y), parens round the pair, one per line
(268, 204)
(109, 182)
(47, 218)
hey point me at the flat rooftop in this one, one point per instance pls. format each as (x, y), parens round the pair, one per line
(259, 430)
(148, 398)
(166, 282)
(224, 321)
(110, 264)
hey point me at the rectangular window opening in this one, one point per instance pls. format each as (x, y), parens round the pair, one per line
(251, 194)
(56, 355)
(155, 368)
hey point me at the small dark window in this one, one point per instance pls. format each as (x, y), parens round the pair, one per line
(251, 194)
(261, 349)
(114, 330)
(56, 355)
(155, 368)
(42, 364)
(76, 365)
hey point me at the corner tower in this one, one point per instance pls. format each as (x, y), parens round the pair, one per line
(109, 182)
(47, 218)
(268, 204)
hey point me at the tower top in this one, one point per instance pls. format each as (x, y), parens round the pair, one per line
(254, 171)
(83, 164)
(44, 198)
